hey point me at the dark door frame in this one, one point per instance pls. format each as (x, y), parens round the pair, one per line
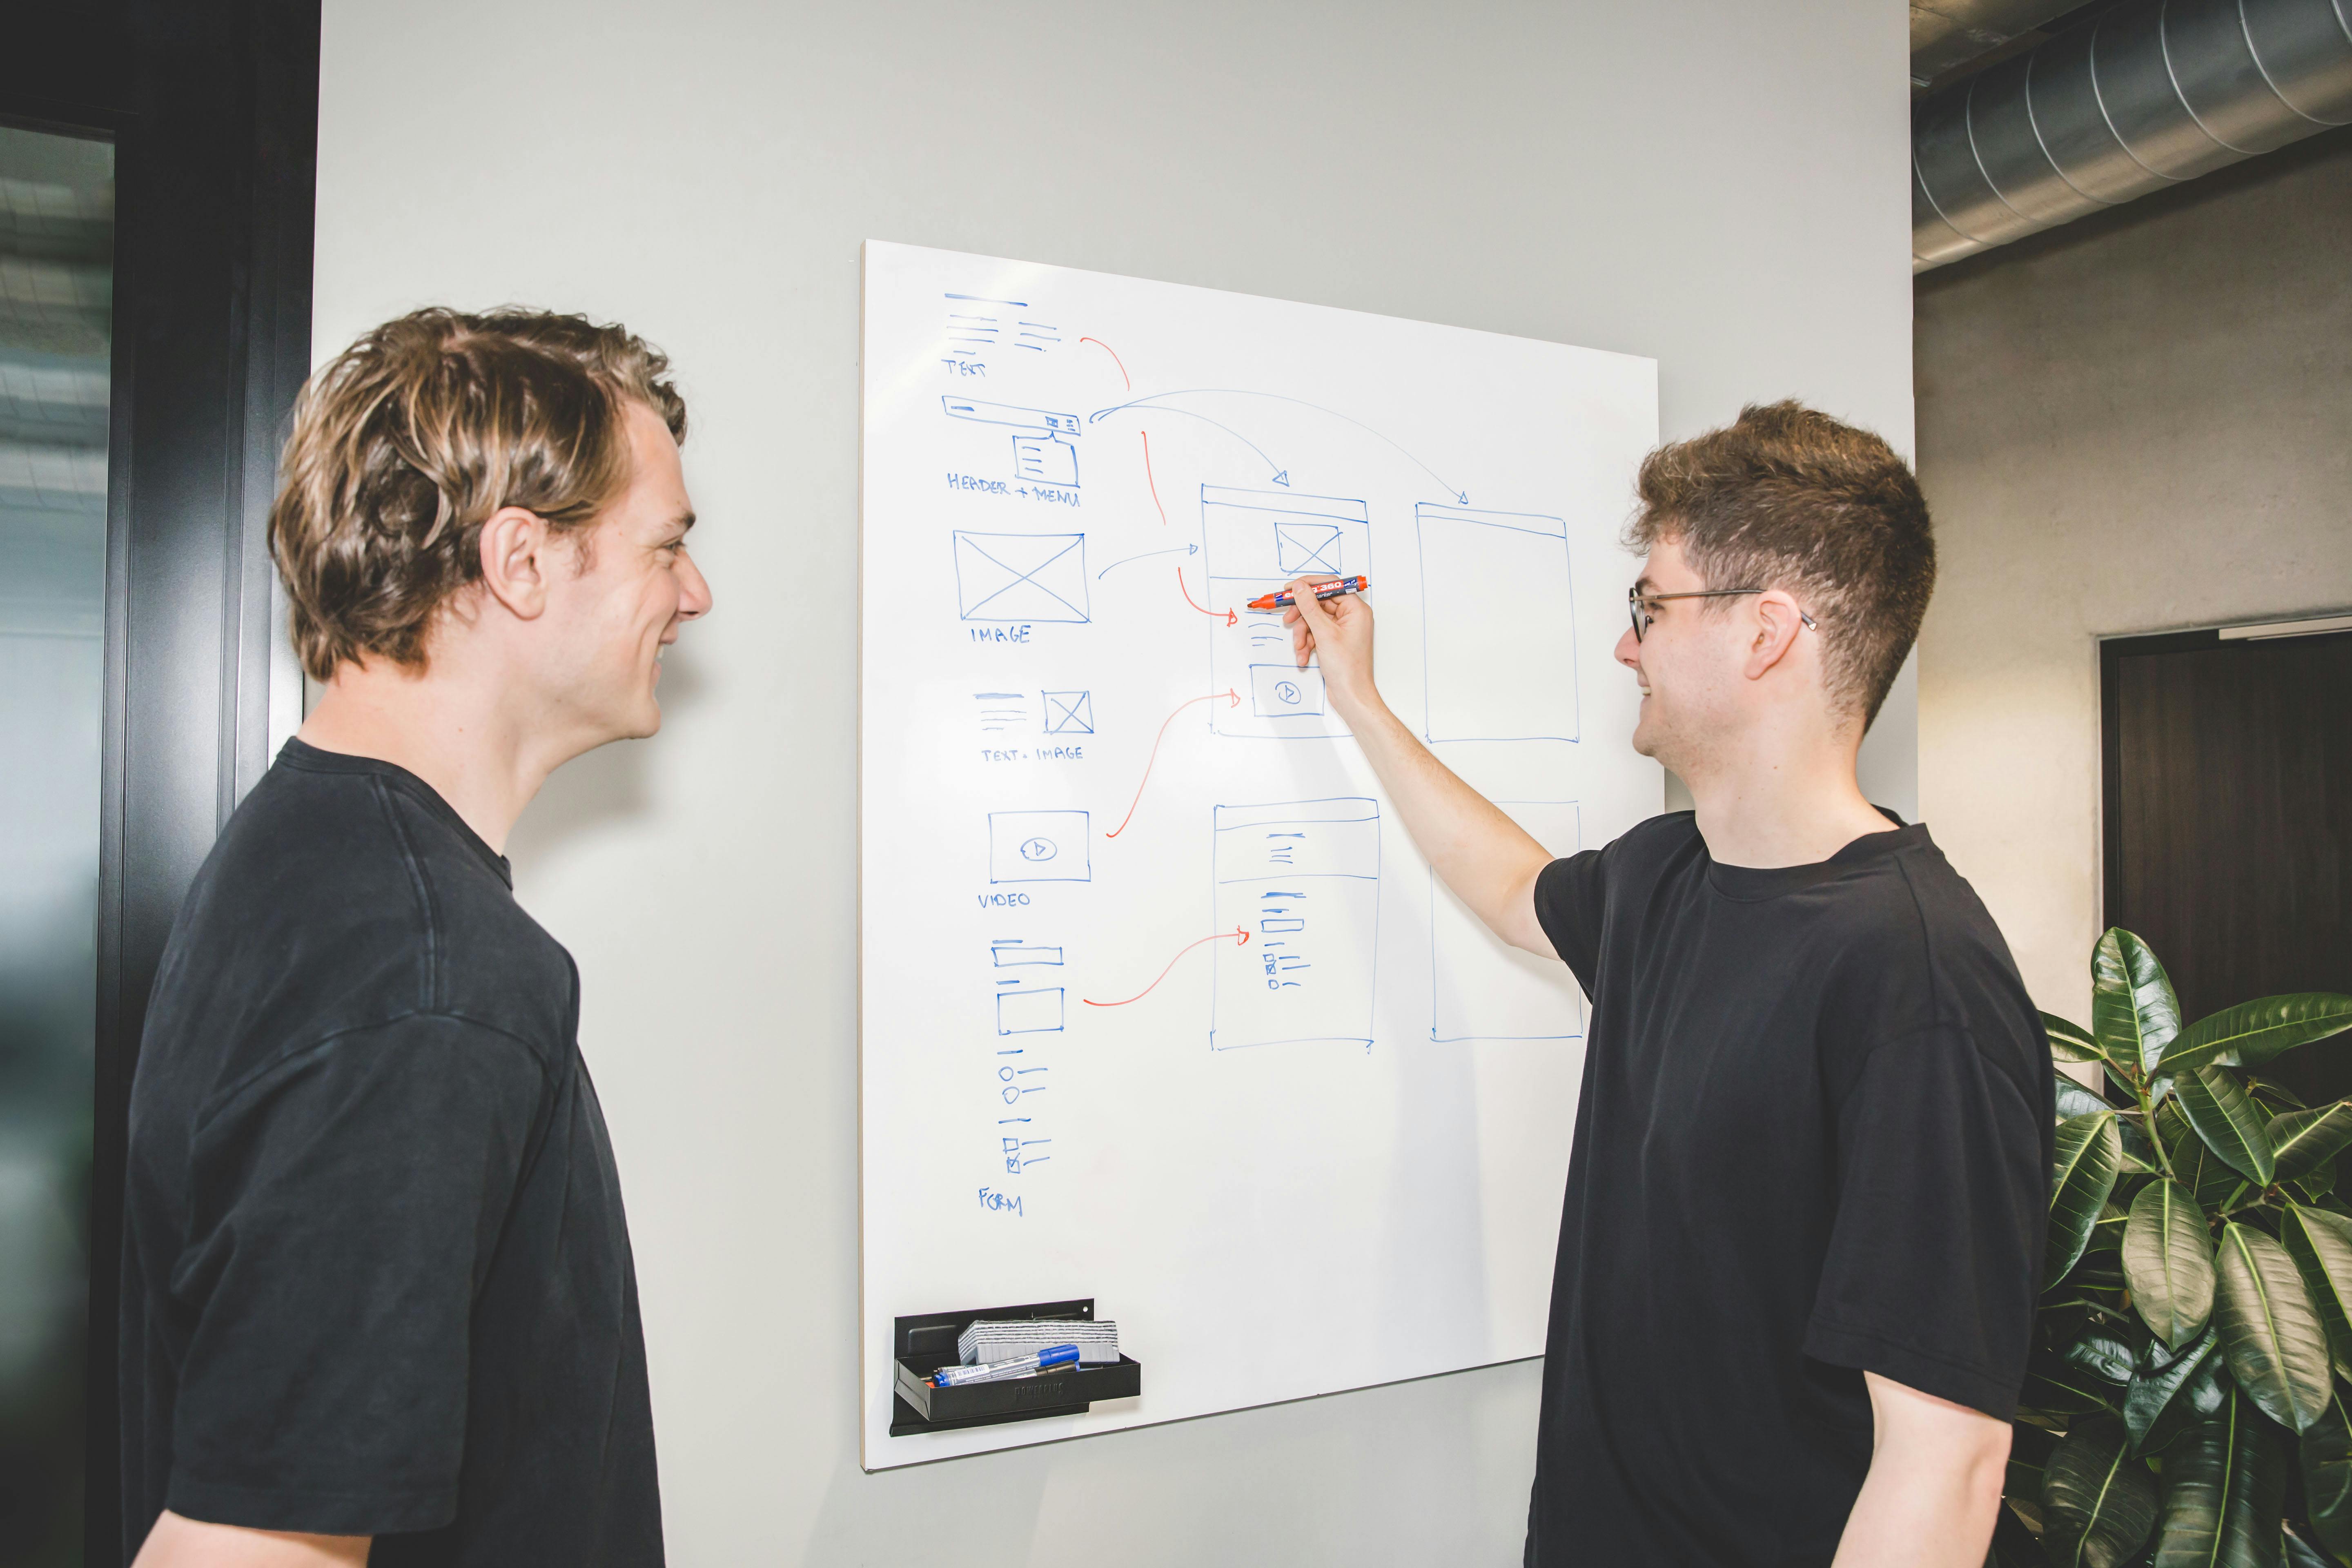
(212, 110)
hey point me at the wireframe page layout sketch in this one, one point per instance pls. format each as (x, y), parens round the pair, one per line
(1159, 1004)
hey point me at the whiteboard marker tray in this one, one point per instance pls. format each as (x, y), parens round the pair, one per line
(927, 1342)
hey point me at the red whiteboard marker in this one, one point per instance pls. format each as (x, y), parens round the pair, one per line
(1281, 601)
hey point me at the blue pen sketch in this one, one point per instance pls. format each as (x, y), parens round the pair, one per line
(1039, 847)
(1014, 1084)
(1000, 711)
(1497, 625)
(1253, 542)
(1481, 987)
(1161, 402)
(1020, 1153)
(1041, 452)
(1037, 335)
(1303, 878)
(1285, 692)
(1012, 952)
(1302, 547)
(1029, 1012)
(1069, 713)
(1020, 576)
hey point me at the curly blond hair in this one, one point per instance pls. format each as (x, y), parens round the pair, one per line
(407, 442)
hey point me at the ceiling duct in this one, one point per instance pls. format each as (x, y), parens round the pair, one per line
(2144, 95)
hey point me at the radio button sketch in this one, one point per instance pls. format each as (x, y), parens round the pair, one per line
(1020, 576)
(1303, 878)
(1038, 846)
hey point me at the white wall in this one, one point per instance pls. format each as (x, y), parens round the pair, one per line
(1721, 187)
(2133, 424)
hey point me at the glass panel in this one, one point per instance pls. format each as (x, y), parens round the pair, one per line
(57, 236)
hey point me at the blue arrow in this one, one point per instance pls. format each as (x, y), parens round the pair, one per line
(1187, 548)
(1283, 478)
(1281, 474)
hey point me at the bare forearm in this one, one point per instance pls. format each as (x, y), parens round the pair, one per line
(1934, 1486)
(1489, 861)
(178, 1542)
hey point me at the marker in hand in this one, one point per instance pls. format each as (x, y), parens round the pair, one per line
(1283, 601)
(1047, 1360)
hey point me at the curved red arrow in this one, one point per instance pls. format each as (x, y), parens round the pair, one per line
(1149, 479)
(1225, 615)
(1237, 936)
(1233, 699)
(1114, 359)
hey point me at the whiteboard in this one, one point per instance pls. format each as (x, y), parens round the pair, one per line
(1158, 1004)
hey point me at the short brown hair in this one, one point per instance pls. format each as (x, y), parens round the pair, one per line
(1787, 498)
(406, 444)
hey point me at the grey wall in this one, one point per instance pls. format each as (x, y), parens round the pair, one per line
(1721, 187)
(2141, 422)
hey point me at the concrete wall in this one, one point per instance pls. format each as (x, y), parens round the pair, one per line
(1720, 186)
(2141, 422)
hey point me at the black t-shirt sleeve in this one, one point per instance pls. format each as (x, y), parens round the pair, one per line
(1934, 1253)
(1569, 896)
(345, 1208)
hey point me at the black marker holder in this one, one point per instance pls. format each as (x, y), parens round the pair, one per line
(924, 1343)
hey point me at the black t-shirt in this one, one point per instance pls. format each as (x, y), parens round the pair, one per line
(1814, 1141)
(375, 1275)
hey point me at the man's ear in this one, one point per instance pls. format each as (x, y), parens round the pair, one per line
(1776, 626)
(517, 556)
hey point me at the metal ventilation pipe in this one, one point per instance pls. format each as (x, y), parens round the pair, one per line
(2144, 95)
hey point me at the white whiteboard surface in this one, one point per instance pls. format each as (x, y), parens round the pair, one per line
(1158, 1004)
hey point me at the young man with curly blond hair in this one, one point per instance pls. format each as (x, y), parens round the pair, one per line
(1799, 1256)
(378, 1303)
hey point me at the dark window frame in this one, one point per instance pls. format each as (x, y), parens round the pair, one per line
(212, 110)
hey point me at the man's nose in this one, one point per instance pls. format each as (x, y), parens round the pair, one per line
(1629, 650)
(695, 601)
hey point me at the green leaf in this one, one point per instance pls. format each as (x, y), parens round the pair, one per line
(2297, 1553)
(2270, 1331)
(2302, 1140)
(2098, 1503)
(2109, 1356)
(2321, 1244)
(2156, 1380)
(2069, 1042)
(2089, 1154)
(2252, 1033)
(2218, 1107)
(2058, 1388)
(2133, 1014)
(2028, 1450)
(2199, 1169)
(2013, 1545)
(2168, 1258)
(2225, 1493)
(2327, 1457)
(2318, 1184)
(2140, 1153)
(2075, 1100)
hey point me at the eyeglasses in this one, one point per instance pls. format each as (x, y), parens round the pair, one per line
(1640, 603)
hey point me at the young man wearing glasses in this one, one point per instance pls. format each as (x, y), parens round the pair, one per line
(1801, 1248)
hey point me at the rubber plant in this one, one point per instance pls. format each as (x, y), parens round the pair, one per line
(2187, 1401)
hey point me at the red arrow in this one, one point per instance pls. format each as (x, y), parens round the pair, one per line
(1237, 936)
(1233, 699)
(1226, 616)
(1114, 359)
(1149, 479)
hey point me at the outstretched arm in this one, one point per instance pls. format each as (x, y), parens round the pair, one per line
(177, 1542)
(1933, 1486)
(1489, 861)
